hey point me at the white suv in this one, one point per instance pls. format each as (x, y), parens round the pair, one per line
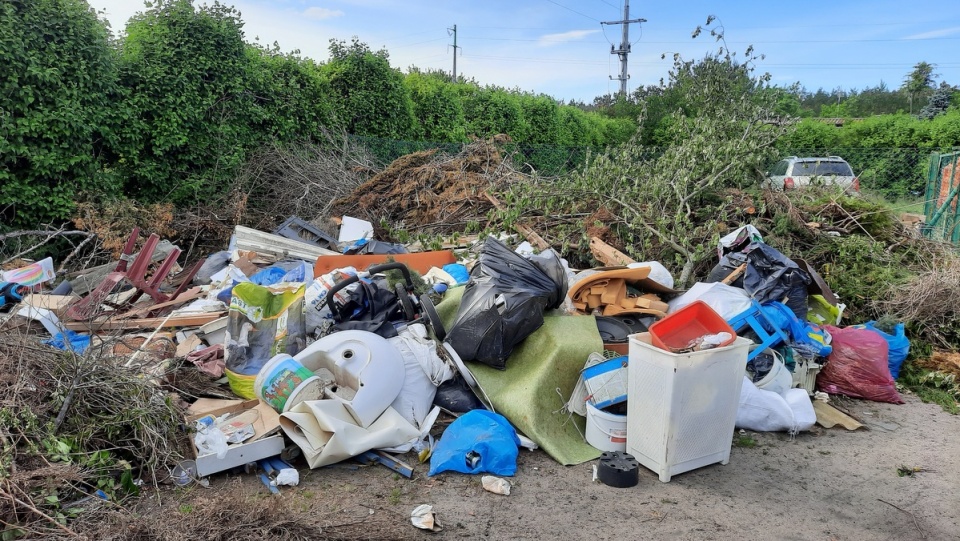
(794, 172)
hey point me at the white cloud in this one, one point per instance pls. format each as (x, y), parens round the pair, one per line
(320, 14)
(935, 33)
(564, 37)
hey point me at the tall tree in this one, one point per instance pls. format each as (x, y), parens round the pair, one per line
(939, 102)
(918, 81)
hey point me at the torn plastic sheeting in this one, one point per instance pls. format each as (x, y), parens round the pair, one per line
(504, 302)
(737, 240)
(326, 432)
(69, 341)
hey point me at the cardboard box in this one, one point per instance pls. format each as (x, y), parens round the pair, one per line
(267, 440)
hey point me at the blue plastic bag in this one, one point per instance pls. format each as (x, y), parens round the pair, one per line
(480, 441)
(69, 341)
(301, 271)
(458, 272)
(898, 342)
(268, 276)
(809, 340)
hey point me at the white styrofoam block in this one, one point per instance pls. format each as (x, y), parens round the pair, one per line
(682, 408)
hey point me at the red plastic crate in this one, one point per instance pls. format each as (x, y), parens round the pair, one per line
(675, 331)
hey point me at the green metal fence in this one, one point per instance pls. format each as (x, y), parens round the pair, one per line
(942, 210)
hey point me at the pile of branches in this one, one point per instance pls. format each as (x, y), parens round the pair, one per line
(302, 180)
(432, 192)
(74, 424)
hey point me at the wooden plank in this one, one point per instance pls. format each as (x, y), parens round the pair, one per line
(188, 320)
(532, 237)
(829, 416)
(186, 296)
(732, 277)
(58, 304)
(608, 255)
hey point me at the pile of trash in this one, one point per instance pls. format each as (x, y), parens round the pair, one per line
(296, 349)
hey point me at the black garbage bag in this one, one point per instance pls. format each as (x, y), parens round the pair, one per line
(504, 302)
(728, 263)
(771, 276)
(369, 308)
(454, 395)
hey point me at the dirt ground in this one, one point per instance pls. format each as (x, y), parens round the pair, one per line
(822, 485)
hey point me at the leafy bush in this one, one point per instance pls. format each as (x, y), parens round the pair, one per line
(56, 89)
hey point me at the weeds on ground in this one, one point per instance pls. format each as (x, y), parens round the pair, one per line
(909, 471)
(745, 441)
(931, 386)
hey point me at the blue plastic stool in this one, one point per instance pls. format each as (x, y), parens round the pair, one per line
(753, 317)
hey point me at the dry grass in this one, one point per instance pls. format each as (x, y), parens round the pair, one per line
(229, 513)
(70, 424)
(928, 301)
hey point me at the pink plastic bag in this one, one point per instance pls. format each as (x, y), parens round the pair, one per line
(858, 366)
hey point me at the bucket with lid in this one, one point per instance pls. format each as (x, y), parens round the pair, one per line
(283, 382)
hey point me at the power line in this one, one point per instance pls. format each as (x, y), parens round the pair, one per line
(539, 60)
(573, 10)
(486, 38)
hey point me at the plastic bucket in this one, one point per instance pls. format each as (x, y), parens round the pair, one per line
(778, 380)
(241, 384)
(606, 431)
(284, 382)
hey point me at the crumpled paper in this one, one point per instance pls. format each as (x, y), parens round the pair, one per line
(423, 517)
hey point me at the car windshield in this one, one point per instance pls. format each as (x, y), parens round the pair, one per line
(822, 168)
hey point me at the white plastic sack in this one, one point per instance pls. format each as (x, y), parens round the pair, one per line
(424, 371)
(315, 297)
(327, 434)
(658, 273)
(728, 301)
(803, 413)
(767, 411)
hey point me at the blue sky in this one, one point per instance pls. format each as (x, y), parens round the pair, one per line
(559, 47)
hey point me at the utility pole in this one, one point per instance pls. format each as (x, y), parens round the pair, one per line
(624, 49)
(454, 32)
